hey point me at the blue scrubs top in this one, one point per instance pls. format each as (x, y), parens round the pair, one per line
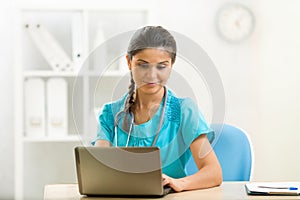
(182, 124)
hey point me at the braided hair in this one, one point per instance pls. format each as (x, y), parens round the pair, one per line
(130, 98)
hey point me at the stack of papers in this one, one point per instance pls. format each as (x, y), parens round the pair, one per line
(273, 188)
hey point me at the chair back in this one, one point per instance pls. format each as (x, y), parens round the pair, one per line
(234, 151)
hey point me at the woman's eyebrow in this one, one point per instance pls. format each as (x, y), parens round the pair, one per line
(162, 62)
(141, 60)
(166, 61)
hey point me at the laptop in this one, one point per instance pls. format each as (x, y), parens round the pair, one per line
(121, 171)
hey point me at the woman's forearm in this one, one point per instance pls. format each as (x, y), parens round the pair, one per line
(208, 176)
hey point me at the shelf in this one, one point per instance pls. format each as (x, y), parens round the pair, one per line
(52, 139)
(111, 73)
(49, 73)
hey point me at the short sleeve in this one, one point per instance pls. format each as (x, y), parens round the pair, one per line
(193, 123)
(105, 124)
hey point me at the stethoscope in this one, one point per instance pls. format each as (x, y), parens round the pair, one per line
(132, 122)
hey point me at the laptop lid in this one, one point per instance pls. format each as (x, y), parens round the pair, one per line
(119, 171)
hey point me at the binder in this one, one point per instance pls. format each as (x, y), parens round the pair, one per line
(34, 96)
(77, 41)
(65, 61)
(57, 107)
(49, 47)
(99, 53)
(43, 47)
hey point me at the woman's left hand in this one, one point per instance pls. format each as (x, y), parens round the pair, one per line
(176, 184)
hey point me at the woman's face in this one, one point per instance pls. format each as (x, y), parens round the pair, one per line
(150, 69)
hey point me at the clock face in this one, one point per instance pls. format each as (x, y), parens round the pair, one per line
(235, 22)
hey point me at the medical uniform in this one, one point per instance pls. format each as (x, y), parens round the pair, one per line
(182, 124)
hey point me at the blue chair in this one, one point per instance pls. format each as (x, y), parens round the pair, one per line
(235, 153)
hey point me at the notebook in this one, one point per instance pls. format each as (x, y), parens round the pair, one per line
(273, 188)
(124, 171)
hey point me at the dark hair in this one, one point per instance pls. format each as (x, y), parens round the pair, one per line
(148, 37)
(152, 37)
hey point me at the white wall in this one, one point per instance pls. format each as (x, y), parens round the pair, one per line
(260, 76)
(6, 102)
(278, 137)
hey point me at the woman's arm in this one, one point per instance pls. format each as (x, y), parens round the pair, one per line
(209, 174)
(102, 143)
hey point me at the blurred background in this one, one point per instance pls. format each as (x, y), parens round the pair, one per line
(256, 56)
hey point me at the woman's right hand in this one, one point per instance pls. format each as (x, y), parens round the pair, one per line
(102, 143)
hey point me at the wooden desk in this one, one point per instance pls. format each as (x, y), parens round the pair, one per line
(227, 191)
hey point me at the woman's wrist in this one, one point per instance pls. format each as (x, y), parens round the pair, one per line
(183, 184)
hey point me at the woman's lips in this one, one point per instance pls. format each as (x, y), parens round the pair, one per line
(151, 84)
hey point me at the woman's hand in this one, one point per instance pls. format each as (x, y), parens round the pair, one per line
(175, 184)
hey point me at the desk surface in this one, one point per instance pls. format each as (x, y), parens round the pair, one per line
(228, 190)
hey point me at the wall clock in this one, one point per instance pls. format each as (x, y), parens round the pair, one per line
(235, 22)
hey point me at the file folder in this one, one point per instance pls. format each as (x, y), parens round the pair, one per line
(57, 107)
(34, 95)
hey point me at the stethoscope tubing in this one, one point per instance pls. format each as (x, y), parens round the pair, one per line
(132, 122)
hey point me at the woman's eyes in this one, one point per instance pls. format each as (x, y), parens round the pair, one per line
(143, 65)
(146, 66)
(161, 66)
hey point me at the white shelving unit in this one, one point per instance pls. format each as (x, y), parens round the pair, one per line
(45, 160)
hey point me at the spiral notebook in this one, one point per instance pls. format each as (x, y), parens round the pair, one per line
(273, 188)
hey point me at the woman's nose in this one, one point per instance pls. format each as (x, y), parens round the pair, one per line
(151, 73)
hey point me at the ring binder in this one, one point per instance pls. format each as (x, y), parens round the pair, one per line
(51, 50)
(34, 89)
(77, 41)
(57, 107)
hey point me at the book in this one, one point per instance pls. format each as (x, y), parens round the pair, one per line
(273, 188)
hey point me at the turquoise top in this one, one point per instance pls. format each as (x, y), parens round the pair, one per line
(182, 124)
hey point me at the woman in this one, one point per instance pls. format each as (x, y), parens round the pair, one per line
(151, 115)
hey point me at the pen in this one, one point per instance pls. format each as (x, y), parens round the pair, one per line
(289, 188)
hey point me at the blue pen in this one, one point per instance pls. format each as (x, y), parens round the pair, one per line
(289, 188)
